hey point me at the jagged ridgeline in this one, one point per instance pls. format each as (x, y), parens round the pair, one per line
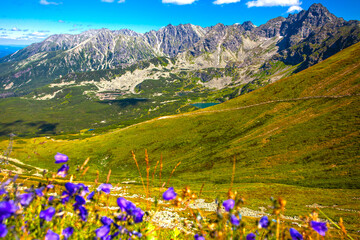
(118, 78)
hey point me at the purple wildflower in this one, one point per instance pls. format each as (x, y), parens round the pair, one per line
(130, 207)
(251, 236)
(122, 203)
(50, 235)
(234, 220)
(61, 158)
(295, 235)
(136, 233)
(83, 213)
(67, 232)
(138, 215)
(4, 184)
(84, 189)
(65, 197)
(102, 231)
(63, 170)
(114, 235)
(50, 186)
(7, 209)
(79, 200)
(2, 191)
(319, 227)
(26, 198)
(229, 204)
(199, 237)
(121, 217)
(47, 214)
(169, 194)
(3, 230)
(106, 221)
(105, 187)
(71, 188)
(39, 192)
(91, 195)
(264, 222)
(51, 198)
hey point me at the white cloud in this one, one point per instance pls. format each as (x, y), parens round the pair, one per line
(45, 2)
(218, 2)
(121, 1)
(272, 3)
(294, 9)
(179, 2)
(37, 34)
(15, 29)
(61, 21)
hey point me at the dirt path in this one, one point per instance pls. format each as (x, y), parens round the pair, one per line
(18, 169)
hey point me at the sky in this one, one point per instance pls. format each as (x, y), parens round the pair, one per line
(23, 22)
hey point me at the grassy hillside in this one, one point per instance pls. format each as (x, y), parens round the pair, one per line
(296, 135)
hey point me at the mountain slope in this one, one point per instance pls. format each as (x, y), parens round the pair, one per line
(302, 130)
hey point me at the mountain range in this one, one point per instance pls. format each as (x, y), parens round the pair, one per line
(304, 38)
(117, 78)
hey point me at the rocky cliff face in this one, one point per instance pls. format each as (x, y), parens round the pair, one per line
(313, 35)
(304, 38)
(171, 40)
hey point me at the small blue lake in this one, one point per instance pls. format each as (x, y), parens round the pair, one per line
(204, 105)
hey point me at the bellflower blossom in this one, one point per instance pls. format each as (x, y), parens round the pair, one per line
(91, 195)
(122, 203)
(67, 232)
(7, 209)
(319, 227)
(169, 194)
(71, 188)
(138, 215)
(251, 236)
(83, 213)
(234, 220)
(61, 158)
(264, 222)
(3, 230)
(47, 214)
(26, 199)
(104, 187)
(295, 235)
(229, 204)
(199, 237)
(50, 235)
(102, 231)
(63, 170)
(106, 221)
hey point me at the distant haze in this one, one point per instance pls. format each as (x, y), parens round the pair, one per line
(7, 50)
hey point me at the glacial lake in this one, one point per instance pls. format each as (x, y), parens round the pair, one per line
(204, 105)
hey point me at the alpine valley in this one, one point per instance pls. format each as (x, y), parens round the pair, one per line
(185, 132)
(117, 78)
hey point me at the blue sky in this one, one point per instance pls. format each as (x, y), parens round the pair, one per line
(26, 21)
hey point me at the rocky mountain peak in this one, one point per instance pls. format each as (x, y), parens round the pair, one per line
(317, 15)
(171, 40)
(218, 27)
(301, 25)
(248, 26)
(271, 28)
